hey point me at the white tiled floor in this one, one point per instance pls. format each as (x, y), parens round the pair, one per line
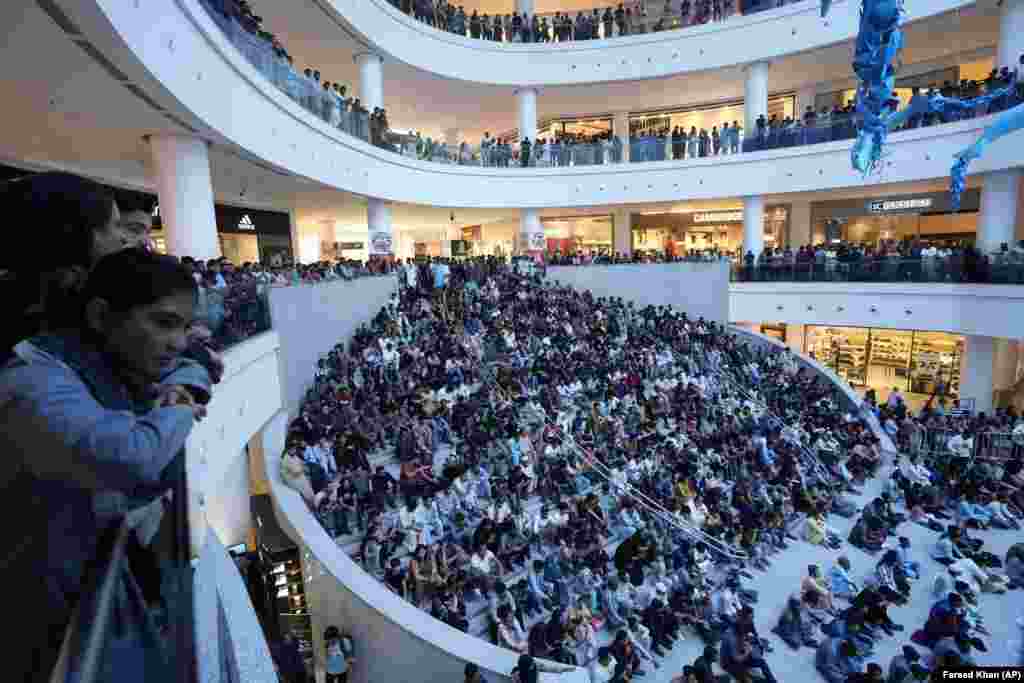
(783, 578)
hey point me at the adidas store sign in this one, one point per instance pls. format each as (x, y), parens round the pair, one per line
(245, 223)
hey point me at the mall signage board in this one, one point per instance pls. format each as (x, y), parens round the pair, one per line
(908, 204)
(892, 205)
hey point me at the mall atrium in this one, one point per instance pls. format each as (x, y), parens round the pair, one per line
(532, 340)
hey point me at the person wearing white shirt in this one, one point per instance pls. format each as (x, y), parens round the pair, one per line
(727, 604)
(410, 521)
(914, 472)
(960, 447)
(602, 670)
(626, 593)
(1002, 516)
(485, 566)
(629, 519)
(510, 632)
(499, 513)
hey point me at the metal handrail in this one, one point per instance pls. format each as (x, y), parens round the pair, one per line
(811, 459)
(653, 506)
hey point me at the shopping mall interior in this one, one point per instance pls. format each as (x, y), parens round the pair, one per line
(528, 340)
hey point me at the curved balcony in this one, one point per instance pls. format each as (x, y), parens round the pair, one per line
(740, 40)
(973, 309)
(147, 47)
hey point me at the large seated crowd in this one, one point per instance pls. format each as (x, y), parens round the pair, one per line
(589, 481)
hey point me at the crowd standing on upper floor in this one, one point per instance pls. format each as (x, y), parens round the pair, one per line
(331, 102)
(889, 260)
(631, 18)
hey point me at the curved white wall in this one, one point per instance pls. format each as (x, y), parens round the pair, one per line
(661, 284)
(766, 35)
(986, 310)
(248, 395)
(174, 51)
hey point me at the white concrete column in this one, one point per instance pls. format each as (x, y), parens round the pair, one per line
(620, 129)
(799, 224)
(976, 372)
(378, 222)
(1006, 355)
(795, 337)
(1011, 33)
(371, 79)
(753, 225)
(997, 220)
(525, 6)
(755, 101)
(622, 233)
(805, 96)
(526, 100)
(531, 233)
(181, 169)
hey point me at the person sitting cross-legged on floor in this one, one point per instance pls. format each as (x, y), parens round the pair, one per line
(837, 659)
(840, 581)
(795, 626)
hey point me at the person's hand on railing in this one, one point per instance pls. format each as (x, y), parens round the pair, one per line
(178, 395)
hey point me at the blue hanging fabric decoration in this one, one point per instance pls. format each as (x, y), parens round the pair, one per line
(879, 41)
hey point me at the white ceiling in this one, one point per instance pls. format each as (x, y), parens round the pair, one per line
(63, 110)
(421, 101)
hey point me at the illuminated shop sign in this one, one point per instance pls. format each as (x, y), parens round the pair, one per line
(884, 206)
(718, 217)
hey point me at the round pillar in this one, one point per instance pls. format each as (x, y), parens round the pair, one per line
(622, 233)
(976, 372)
(800, 231)
(531, 233)
(1011, 33)
(181, 169)
(620, 128)
(526, 99)
(371, 79)
(753, 225)
(524, 6)
(997, 220)
(755, 101)
(378, 221)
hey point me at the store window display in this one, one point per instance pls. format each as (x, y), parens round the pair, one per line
(705, 118)
(918, 364)
(584, 235)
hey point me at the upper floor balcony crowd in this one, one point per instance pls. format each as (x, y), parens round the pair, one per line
(632, 18)
(949, 261)
(331, 102)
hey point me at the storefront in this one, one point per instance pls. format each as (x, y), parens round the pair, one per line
(588, 128)
(722, 230)
(704, 118)
(928, 217)
(973, 71)
(585, 235)
(246, 235)
(919, 364)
